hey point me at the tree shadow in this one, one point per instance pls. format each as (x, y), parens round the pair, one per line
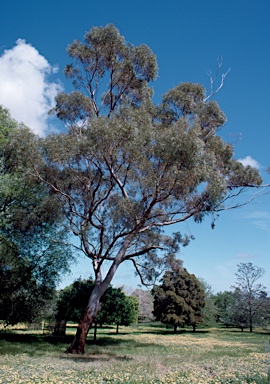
(167, 332)
(33, 345)
(89, 357)
(37, 339)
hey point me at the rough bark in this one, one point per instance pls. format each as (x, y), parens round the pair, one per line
(89, 317)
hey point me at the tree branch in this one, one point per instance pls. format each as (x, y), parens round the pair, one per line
(143, 251)
(213, 79)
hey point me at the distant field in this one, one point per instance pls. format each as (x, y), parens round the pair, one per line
(140, 354)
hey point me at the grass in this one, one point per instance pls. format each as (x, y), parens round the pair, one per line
(142, 354)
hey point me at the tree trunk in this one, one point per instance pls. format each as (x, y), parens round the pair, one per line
(117, 328)
(93, 307)
(95, 333)
(250, 310)
(250, 321)
(60, 328)
(89, 317)
(175, 329)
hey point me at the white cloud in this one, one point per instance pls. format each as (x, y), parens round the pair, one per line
(246, 256)
(261, 219)
(248, 160)
(24, 86)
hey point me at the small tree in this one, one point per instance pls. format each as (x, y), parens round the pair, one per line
(252, 296)
(179, 300)
(224, 301)
(145, 304)
(70, 304)
(236, 311)
(116, 307)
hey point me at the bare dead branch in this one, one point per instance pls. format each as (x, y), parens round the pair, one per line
(214, 78)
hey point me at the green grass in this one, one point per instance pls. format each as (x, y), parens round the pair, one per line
(140, 354)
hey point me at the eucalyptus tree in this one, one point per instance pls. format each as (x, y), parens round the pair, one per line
(127, 169)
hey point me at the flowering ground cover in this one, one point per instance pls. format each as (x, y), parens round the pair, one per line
(138, 355)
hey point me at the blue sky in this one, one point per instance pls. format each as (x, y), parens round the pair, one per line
(188, 37)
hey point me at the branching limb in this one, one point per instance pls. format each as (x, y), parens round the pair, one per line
(143, 252)
(117, 180)
(213, 79)
(139, 274)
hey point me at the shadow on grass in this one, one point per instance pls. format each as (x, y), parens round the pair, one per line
(167, 332)
(37, 345)
(89, 357)
(36, 339)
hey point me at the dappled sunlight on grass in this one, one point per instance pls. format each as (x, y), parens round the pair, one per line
(135, 357)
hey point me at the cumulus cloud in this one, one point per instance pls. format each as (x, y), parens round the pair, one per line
(25, 88)
(248, 160)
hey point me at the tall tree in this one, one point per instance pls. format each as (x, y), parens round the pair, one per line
(179, 300)
(251, 295)
(126, 169)
(33, 249)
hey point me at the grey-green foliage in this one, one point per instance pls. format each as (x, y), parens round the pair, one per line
(110, 71)
(126, 168)
(145, 304)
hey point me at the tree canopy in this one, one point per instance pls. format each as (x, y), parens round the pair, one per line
(247, 304)
(251, 296)
(126, 168)
(179, 300)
